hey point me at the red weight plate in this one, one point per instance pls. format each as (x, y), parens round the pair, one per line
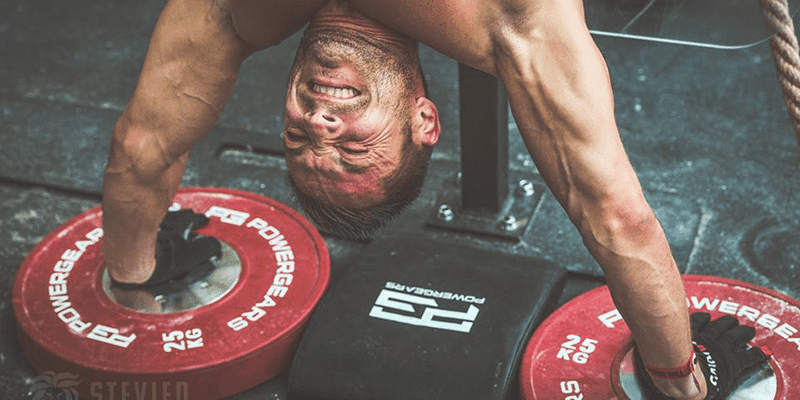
(581, 350)
(67, 323)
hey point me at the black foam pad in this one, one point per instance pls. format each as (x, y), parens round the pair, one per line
(415, 319)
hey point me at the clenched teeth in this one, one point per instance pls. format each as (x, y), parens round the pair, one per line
(338, 92)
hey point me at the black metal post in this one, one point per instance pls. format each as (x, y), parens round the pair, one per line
(481, 202)
(483, 110)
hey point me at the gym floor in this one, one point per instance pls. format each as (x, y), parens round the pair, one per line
(706, 130)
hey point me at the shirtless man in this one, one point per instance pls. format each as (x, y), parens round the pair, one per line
(351, 120)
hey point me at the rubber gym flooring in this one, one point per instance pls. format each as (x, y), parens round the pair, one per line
(706, 130)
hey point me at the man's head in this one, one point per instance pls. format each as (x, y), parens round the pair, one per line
(358, 127)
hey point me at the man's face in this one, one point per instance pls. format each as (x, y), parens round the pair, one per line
(347, 116)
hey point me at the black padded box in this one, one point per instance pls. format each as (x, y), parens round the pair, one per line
(415, 319)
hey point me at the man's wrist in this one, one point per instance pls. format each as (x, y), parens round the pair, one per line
(674, 373)
(692, 387)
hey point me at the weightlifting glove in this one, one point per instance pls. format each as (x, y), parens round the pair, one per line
(722, 352)
(182, 257)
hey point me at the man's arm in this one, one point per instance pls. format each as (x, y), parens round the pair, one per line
(560, 94)
(188, 76)
(561, 98)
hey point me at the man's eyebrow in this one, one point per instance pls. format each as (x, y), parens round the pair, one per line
(352, 168)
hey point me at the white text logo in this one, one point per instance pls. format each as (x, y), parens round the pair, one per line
(390, 302)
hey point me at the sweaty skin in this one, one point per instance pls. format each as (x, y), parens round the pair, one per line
(560, 95)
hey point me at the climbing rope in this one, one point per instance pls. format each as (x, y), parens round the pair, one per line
(785, 53)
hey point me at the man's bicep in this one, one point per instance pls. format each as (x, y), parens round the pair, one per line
(189, 72)
(562, 101)
(460, 29)
(263, 23)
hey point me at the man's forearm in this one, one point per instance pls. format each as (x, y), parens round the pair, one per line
(134, 203)
(188, 76)
(647, 289)
(560, 93)
(643, 278)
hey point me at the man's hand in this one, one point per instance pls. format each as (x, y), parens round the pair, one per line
(182, 257)
(721, 351)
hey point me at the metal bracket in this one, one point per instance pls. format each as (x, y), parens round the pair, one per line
(511, 223)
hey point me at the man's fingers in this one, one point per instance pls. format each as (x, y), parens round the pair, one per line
(721, 345)
(699, 320)
(737, 337)
(720, 326)
(183, 222)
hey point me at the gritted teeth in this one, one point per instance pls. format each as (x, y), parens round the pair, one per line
(338, 92)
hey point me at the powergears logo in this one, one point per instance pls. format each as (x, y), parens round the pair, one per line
(418, 306)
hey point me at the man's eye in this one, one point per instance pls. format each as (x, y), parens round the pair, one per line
(353, 151)
(294, 136)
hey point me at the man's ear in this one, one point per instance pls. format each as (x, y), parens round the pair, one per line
(426, 121)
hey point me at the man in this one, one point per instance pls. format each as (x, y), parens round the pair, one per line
(356, 109)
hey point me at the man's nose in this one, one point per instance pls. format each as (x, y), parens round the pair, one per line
(323, 125)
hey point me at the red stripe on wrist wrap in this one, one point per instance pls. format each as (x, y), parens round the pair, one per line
(674, 373)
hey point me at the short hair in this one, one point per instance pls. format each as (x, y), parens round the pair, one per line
(402, 187)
